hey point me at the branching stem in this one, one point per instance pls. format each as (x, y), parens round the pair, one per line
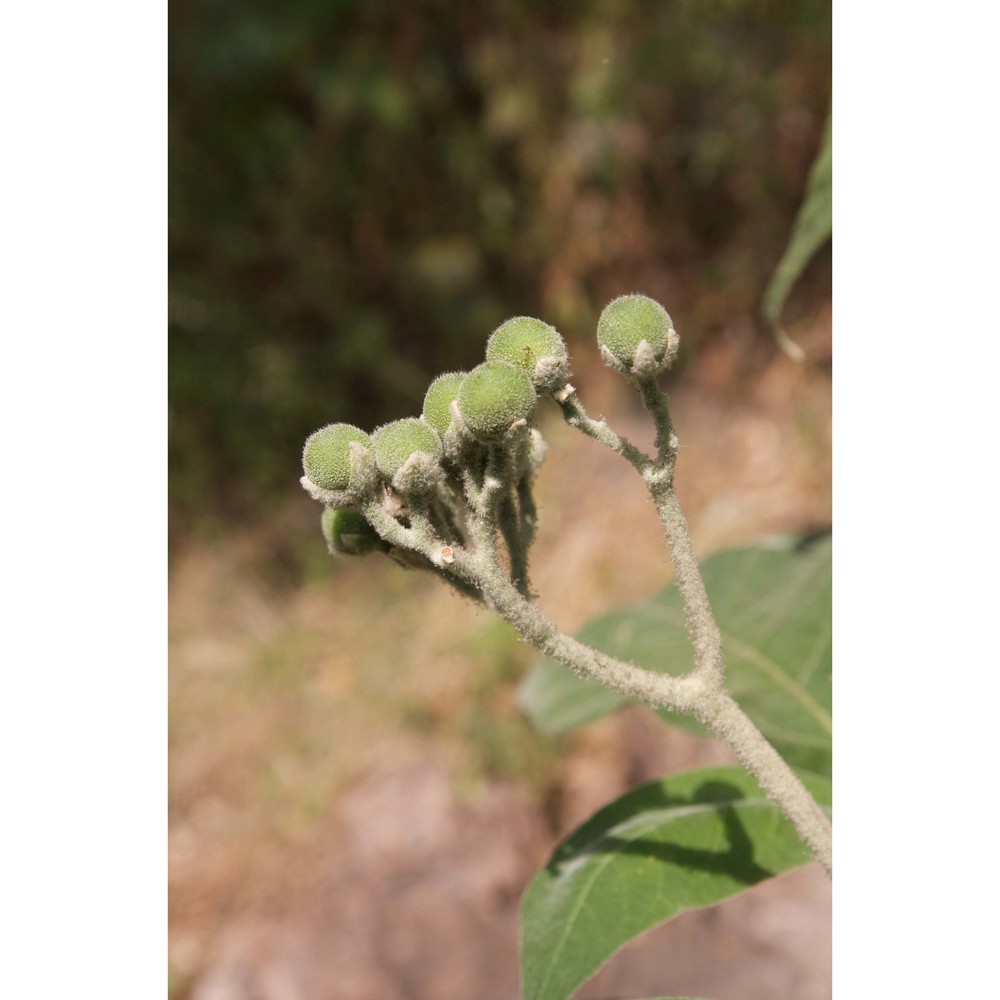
(711, 703)
(699, 693)
(576, 416)
(475, 571)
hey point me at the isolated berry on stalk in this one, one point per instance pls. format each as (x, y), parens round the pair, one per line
(636, 335)
(493, 397)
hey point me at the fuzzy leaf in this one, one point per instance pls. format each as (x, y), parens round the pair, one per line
(772, 604)
(683, 843)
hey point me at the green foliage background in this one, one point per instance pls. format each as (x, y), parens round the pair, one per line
(360, 192)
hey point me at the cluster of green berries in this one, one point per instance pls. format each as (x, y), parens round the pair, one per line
(525, 358)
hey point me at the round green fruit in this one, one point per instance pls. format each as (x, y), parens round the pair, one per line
(326, 457)
(393, 444)
(494, 396)
(534, 346)
(629, 320)
(349, 533)
(440, 395)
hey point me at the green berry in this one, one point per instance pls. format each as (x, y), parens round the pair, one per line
(326, 457)
(494, 396)
(534, 346)
(348, 532)
(629, 320)
(440, 395)
(393, 444)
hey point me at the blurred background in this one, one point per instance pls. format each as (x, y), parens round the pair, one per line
(359, 194)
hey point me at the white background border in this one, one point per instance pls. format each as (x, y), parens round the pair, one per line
(83, 396)
(83, 703)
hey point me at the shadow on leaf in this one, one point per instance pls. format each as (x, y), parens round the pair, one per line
(598, 836)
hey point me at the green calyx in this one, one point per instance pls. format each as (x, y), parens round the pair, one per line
(628, 321)
(394, 444)
(533, 346)
(347, 532)
(326, 457)
(493, 397)
(440, 395)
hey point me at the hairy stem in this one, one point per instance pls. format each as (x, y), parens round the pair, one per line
(697, 693)
(701, 626)
(476, 572)
(528, 520)
(655, 403)
(711, 703)
(513, 536)
(720, 713)
(418, 547)
(576, 416)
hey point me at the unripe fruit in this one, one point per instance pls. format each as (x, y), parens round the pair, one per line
(393, 444)
(326, 457)
(440, 395)
(349, 533)
(494, 396)
(534, 346)
(629, 320)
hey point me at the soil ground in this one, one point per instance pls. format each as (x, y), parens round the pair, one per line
(356, 802)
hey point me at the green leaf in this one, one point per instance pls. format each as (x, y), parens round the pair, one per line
(813, 226)
(683, 843)
(772, 604)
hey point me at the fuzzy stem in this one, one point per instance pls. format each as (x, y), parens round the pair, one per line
(446, 510)
(524, 470)
(505, 460)
(658, 476)
(724, 717)
(701, 626)
(655, 403)
(693, 694)
(712, 703)
(528, 511)
(421, 540)
(513, 536)
(576, 416)
(661, 690)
